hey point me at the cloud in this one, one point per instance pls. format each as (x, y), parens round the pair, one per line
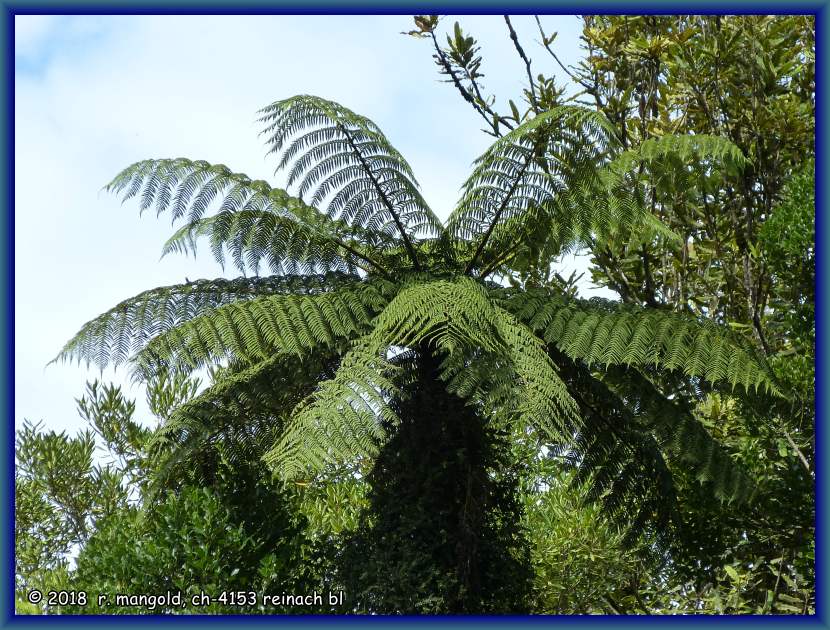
(31, 32)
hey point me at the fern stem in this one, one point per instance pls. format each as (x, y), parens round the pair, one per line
(409, 249)
(499, 212)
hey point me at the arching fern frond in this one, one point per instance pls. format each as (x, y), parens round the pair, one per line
(527, 167)
(343, 420)
(544, 399)
(610, 333)
(184, 187)
(668, 154)
(343, 158)
(456, 317)
(243, 409)
(453, 318)
(604, 196)
(682, 436)
(448, 314)
(254, 330)
(111, 338)
(618, 460)
(287, 246)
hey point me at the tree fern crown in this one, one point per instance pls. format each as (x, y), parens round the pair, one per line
(364, 273)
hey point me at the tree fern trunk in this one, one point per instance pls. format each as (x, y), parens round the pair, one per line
(442, 534)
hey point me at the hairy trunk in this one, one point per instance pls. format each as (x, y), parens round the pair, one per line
(442, 533)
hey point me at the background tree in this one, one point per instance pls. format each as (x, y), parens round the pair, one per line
(61, 494)
(100, 525)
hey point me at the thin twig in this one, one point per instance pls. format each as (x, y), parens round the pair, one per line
(478, 103)
(515, 38)
(797, 450)
(573, 77)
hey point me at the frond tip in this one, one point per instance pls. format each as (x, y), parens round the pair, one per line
(344, 158)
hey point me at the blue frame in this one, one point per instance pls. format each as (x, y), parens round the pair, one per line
(819, 8)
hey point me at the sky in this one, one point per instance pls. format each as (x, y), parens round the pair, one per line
(93, 94)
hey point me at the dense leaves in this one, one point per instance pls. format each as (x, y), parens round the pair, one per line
(745, 256)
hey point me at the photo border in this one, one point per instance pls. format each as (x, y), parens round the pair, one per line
(819, 8)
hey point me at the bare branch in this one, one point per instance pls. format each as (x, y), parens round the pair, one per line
(477, 101)
(533, 102)
(545, 43)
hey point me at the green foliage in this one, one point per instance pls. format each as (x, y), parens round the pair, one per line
(60, 495)
(735, 244)
(193, 543)
(581, 564)
(787, 242)
(342, 369)
(225, 525)
(336, 152)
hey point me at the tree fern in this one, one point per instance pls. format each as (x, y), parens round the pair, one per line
(406, 299)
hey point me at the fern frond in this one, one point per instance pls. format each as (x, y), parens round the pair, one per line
(457, 318)
(528, 167)
(344, 158)
(618, 460)
(602, 197)
(611, 333)
(344, 419)
(544, 400)
(668, 154)
(242, 407)
(682, 436)
(111, 338)
(254, 330)
(185, 187)
(449, 314)
(287, 246)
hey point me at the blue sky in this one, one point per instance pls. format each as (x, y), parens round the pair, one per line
(94, 94)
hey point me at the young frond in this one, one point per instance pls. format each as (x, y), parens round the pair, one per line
(344, 158)
(610, 333)
(114, 336)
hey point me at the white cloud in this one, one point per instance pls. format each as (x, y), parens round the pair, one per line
(31, 32)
